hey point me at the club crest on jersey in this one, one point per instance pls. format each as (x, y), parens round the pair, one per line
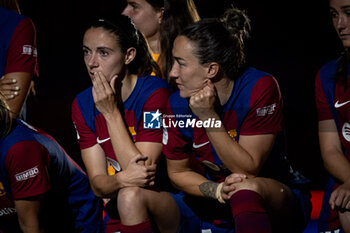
(2, 190)
(151, 120)
(133, 133)
(233, 134)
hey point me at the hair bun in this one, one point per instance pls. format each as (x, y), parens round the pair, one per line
(237, 22)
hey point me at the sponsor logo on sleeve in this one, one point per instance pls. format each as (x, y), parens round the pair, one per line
(267, 110)
(29, 50)
(30, 173)
(7, 211)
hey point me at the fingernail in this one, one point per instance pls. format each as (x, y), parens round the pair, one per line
(11, 96)
(14, 80)
(17, 87)
(15, 93)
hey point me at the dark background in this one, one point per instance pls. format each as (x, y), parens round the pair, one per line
(289, 40)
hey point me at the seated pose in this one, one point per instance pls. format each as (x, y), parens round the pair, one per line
(119, 129)
(332, 100)
(41, 188)
(221, 136)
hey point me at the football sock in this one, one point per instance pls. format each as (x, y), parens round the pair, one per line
(144, 227)
(249, 213)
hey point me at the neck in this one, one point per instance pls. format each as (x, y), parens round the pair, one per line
(127, 86)
(224, 89)
(153, 42)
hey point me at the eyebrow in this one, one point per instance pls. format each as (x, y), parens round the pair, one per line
(342, 7)
(179, 59)
(98, 48)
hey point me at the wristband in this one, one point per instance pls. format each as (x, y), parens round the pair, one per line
(218, 193)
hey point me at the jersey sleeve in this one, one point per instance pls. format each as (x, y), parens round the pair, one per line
(27, 164)
(85, 135)
(265, 108)
(22, 52)
(323, 110)
(175, 146)
(156, 101)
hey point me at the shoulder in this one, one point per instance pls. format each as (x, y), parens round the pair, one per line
(84, 98)
(328, 70)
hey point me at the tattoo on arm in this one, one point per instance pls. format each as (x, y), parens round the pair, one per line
(208, 189)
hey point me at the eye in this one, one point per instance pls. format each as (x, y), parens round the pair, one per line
(333, 14)
(85, 52)
(104, 53)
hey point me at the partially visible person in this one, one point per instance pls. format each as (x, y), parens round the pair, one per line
(119, 132)
(161, 22)
(41, 188)
(332, 99)
(147, 17)
(177, 15)
(223, 139)
(18, 55)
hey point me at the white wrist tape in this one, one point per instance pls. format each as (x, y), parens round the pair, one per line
(218, 193)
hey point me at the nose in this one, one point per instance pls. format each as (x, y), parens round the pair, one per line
(91, 61)
(341, 22)
(174, 72)
(126, 11)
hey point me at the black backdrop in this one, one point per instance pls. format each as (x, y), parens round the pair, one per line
(289, 40)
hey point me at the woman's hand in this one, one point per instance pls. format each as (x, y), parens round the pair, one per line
(104, 94)
(9, 87)
(202, 103)
(340, 197)
(229, 185)
(138, 175)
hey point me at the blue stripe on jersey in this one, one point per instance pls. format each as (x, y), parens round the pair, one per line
(8, 23)
(327, 76)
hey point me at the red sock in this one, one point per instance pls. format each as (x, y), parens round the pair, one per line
(249, 213)
(144, 227)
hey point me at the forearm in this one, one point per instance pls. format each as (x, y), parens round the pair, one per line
(231, 153)
(123, 146)
(337, 165)
(31, 228)
(23, 81)
(107, 186)
(189, 182)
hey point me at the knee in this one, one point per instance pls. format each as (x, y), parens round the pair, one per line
(129, 197)
(255, 185)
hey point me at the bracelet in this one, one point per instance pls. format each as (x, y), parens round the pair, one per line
(218, 193)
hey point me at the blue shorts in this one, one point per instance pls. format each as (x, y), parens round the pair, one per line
(191, 222)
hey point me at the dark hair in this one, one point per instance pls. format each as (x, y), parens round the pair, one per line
(5, 117)
(11, 5)
(156, 4)
(177, 15)
(343, 66)
(221, 40)
(128, 36)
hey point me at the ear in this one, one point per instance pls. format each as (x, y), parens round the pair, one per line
(212, 69)
(160, 15)
(130, 55)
